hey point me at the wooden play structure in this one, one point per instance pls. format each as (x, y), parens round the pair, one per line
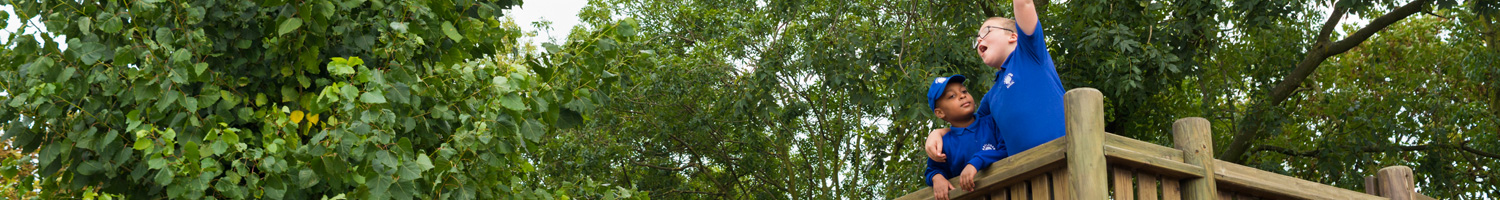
(1090, 164)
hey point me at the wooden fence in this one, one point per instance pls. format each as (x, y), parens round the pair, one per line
(1089, 164)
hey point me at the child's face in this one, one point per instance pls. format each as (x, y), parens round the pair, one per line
(956, 102)
(995, 44)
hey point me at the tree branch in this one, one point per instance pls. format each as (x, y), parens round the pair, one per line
(1320, 52)
(1318, 152)
(643, 164)
(1332, 23)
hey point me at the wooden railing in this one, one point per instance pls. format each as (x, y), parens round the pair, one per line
(1089, 164)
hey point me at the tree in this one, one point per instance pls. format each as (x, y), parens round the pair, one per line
(282, 99)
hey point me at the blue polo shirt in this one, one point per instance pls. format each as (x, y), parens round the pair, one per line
(976, 144)
(1026, 100)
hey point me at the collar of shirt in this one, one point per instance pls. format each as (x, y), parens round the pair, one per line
(964, 130)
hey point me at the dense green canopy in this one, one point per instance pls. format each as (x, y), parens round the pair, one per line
(704, 99)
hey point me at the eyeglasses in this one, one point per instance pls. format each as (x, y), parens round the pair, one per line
(986, 30)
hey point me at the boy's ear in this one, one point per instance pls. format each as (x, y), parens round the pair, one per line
(939, 113)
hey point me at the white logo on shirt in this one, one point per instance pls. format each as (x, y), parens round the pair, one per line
(987, 147)
(1008, 80)
(940, 80)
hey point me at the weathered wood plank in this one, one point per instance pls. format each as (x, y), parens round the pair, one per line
(1038, 160)
(1191, 135)
(1372, 187)
(1170, 189)
(1146, 162)
(1396, 182)
(1124, 190)
(1147, 186)
(1084, 110)
(1226, 195)
(999, 195)
(1018, 191)
(1040, 189)
(1273, 185)
(1145, 148)
(1061, 186)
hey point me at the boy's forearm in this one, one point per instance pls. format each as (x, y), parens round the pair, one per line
(1026, 16)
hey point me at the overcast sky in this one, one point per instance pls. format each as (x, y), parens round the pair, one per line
(562, 13)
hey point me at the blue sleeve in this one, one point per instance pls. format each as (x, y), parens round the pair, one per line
(1034, 45)
(983, 159)
(935, 168)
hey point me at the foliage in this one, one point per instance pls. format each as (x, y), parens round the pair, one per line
(364, 99)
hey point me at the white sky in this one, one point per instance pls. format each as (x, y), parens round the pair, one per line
(562, 13)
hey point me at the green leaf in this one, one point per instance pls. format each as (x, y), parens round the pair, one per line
(288, 26)
(219, 147)
(340, 66)
(372, 97)
(230, 137)
(424, 162)
(164, 177)
(157, 163)
(113, 25)
(66, 74)
(124, 56)
(181, 55)
(385, 158)
(451, 32)
(512, 102)
(142, 144)
(533, 130)
(199, 68)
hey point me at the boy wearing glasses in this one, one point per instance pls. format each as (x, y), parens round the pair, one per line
(1026, 99)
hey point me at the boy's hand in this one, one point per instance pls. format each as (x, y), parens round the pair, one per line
(934, 145)
(940, 187)
(966, 179)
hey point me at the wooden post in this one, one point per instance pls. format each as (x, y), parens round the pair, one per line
(1371, 187)
(1193, 137)
(1084, 109)
(1396, 182)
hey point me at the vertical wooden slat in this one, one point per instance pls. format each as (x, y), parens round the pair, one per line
(1225, 195)
(1396, 182)
(1040, 189)
(1060, 185)
(1084, 110)
(1191, 135)
(1147, 183)
(1124, 190)
(1018, 191)
(1170, 189)
(1000, 195)
(1371, 186)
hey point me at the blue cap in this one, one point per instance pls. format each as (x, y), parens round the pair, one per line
(939, 84)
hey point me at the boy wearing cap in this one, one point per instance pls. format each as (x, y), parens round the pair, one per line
(971, 139)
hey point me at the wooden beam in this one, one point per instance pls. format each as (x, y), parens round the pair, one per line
(1191, 135)
(1039, 160)
(1146, 148)
(1396, 182)
(1084, 109)
(1173, 169)
(1271, 185)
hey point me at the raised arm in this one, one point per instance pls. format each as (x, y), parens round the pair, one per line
(1026, 16)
